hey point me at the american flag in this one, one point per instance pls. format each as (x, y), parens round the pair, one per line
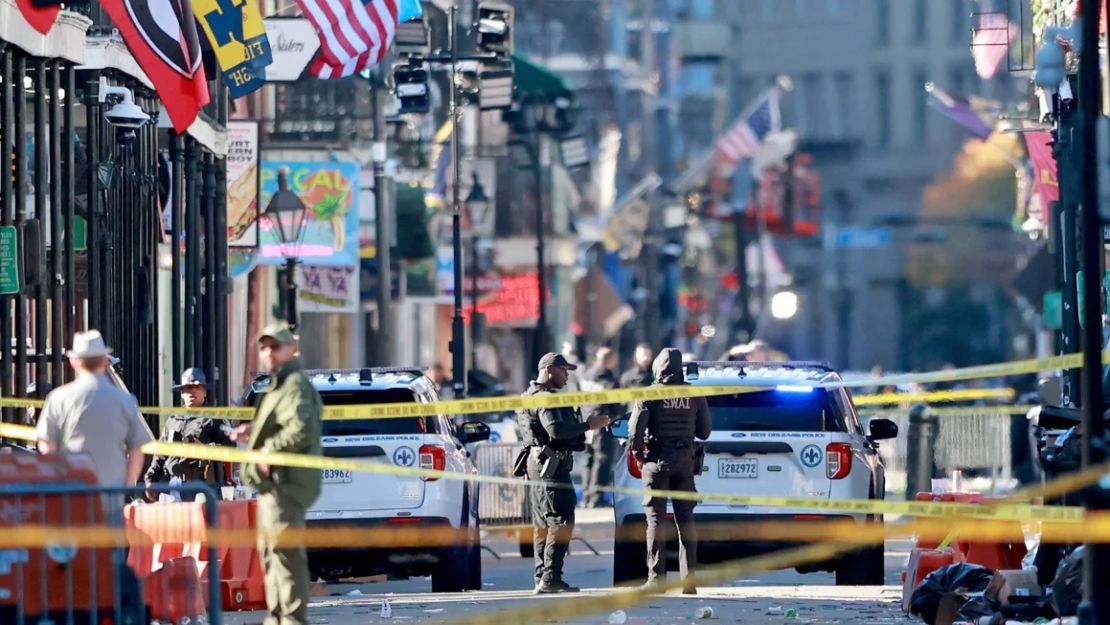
(745, 137)
(354, 34)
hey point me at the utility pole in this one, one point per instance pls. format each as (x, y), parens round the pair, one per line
(458, 327)
(649, 255)
(382, 224)
(1096, 577)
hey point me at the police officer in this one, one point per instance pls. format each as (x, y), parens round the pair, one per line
(662, 441)
(185, 429)
(551, 435)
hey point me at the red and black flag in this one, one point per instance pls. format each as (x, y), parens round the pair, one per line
(162, 35)
(40, 14)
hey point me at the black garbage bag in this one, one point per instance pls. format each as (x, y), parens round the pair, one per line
(926, 597)
(977, 607)
(1067, 587)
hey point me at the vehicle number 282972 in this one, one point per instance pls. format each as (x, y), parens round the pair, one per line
(742, 468)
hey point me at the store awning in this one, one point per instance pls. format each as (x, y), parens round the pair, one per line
(536, 81)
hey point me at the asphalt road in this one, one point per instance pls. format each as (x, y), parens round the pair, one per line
(507, 581)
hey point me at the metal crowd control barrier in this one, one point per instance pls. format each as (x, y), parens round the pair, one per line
(500, 504)
(976, 444)
(72, 584)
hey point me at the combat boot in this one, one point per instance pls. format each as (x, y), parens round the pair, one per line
(554, 586)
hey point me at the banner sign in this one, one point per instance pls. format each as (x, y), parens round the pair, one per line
(328, 289)
(1044, 165)
(242, 184)
(238, 37)
(330, 194)
(295, 43)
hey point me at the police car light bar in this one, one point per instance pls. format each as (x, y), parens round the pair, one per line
(793, 388)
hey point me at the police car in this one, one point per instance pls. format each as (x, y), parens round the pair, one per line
(384, 501)
(793, 439)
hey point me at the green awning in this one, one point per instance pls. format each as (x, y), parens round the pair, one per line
(536, 81)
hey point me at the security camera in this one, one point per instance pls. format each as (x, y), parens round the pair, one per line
(124, 113)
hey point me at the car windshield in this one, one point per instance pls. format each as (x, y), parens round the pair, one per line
(774, 411)
(373, 427)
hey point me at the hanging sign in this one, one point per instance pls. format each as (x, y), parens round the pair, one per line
(238, 36)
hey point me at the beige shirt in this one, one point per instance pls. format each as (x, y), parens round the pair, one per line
(93, 416)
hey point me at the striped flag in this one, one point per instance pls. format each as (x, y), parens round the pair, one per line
(354, 34)
(435, 196)
(991, 43)
(744, 138)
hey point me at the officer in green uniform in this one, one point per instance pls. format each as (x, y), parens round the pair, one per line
(662, 436)
(287, 420)
(551, 436)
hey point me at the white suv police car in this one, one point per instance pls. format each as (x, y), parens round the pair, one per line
(384, 501)
(791, 440)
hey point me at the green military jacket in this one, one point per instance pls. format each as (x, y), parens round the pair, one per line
(287, 420)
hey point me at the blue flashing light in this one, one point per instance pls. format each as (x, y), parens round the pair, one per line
(792, 388)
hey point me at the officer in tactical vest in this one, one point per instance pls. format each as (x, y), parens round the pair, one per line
(662, 436)
(551, 436)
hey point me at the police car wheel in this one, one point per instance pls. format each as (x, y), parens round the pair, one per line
(862, 568)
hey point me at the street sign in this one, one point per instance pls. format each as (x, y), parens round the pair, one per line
(862, 237)
(9, 261)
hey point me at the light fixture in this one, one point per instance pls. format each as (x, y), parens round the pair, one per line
(495, 87)
(574, 152)
(286, 215)
(477, 202)
(411, 38)
(784, 305)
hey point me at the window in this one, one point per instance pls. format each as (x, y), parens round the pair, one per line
(919, 28)
(960, 23)
(882, 23)
(918, 106)
(845, 111)
(883, 104)
(374, 427)
(814, 107)
(775, 411)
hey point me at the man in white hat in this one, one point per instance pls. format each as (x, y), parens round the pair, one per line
(91, 415)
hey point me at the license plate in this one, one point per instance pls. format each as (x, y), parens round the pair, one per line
(336, 476)
(743, 468)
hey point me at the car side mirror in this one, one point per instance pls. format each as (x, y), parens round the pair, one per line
(474, 432)
(882, 429)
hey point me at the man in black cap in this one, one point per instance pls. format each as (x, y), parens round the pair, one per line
(186, 429)
(551, 436)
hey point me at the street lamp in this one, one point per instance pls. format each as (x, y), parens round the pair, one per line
(285, 215)
(477, 203)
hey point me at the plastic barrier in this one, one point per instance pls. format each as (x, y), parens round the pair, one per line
(993, 555)
(179, 530)
(55, 580)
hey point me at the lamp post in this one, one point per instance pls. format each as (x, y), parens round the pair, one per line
(477, 204)
(285, 215)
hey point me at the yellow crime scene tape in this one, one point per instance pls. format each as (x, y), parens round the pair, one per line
(971, 394)
(1013, 511)
(960, 411)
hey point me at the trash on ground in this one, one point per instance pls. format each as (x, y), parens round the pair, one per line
(704, 612)
(433, 610)
(947, 588)
(775, 610)
(791, 613)
(618, 618)
(387, 610)
(355, 593)
(1067, 586)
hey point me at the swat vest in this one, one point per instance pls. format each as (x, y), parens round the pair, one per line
(532, 432)
(671, 419)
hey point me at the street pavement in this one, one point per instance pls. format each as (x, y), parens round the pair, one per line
(507, 583)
